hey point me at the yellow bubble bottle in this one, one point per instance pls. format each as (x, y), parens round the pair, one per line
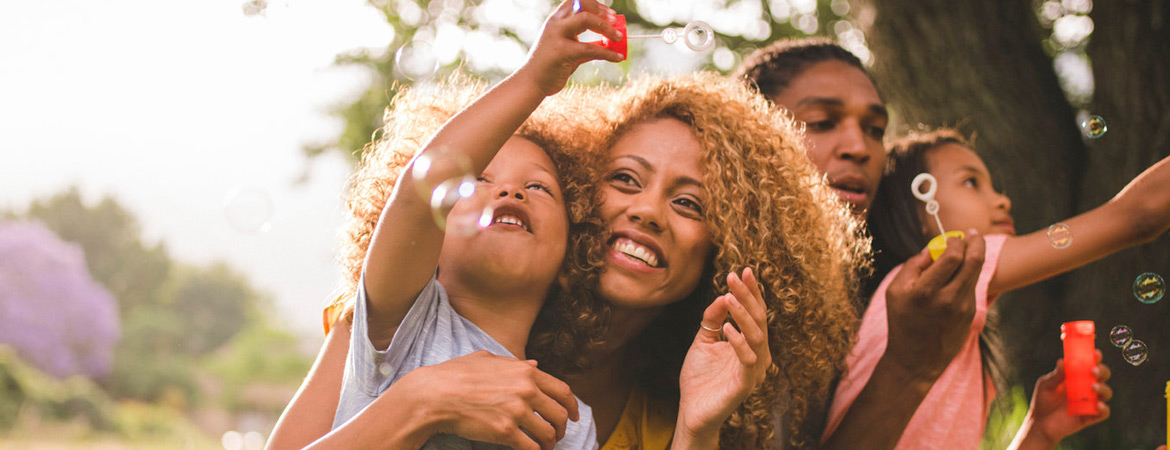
(937, 245)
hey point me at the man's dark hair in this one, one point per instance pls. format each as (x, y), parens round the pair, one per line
(770, 69)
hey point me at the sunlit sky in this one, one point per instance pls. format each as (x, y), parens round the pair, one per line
(168, 106)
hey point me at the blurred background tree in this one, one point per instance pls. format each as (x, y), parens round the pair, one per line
(1019, 76)
(193, 343)
(51, 312)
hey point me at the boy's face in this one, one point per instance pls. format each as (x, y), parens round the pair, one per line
(844, 124)
(965, 195)
(526, 239)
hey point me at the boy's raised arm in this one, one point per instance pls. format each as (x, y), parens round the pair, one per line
(404, 251)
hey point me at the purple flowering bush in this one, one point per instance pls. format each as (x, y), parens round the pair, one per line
(56, 317)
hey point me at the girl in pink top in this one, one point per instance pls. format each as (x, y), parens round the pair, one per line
(955, 410)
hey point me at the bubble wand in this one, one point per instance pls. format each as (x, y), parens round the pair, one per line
(702, 33)
(939, 244)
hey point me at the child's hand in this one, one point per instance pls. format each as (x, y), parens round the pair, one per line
(557, 53)
(1049, 409)
(718, 374)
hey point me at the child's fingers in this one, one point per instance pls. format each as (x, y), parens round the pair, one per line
(1102, 373)
(1103, 413)
(578, 23)
(1104, 392)
(589, 52)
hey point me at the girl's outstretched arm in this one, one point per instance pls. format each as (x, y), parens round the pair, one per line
(404, 251)
(1137, 214)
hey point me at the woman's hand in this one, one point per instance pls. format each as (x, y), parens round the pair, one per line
(1048, 422)
(717, 374)
(557, 53)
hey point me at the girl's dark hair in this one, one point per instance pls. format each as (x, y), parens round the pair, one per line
(897, 227)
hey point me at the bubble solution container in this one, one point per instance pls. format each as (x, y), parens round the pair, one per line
(1078, 367)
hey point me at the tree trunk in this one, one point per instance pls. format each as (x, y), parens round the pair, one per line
(1130, 52)
(980, 66)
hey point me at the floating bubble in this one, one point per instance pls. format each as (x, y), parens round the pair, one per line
(1149, 287)
(385, 368)
(1120, 335)
(470, 216)
(444, 198)
(232, 440)
(249, 210)
(416, 60)
(254, 7)
(670, 35)
(699, 36)
(436, 166)
(1060, 235)
(253, 440)
(1094, 127)
(1135, 352)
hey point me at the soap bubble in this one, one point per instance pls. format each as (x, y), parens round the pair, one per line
(1120, 335)
(436, 166)
(1135, 352)
(385, 368)
(699, 36)
(232, 440)
(465, 219)
(416, 60)
(1149, 287)
(253, 440)
(1093, 127)
(249, 210)
(1060, 235)
(670, 35)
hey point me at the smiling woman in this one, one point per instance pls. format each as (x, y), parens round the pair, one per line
(700, 179)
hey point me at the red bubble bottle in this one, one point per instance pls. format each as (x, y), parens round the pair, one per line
(1078, 367)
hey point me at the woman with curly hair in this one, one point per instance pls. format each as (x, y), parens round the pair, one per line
(699, 177)
(744, 183)
(474, 131)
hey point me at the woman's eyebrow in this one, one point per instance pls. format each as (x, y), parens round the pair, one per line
(638, 159)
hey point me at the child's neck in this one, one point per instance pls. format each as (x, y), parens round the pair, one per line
(505, 316)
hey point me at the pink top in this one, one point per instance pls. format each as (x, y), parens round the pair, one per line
(955, 410)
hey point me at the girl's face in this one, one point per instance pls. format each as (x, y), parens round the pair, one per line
(526, 240)
(965, 195)
(653, 203)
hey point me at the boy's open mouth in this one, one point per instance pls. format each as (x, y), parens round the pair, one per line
(511, 216)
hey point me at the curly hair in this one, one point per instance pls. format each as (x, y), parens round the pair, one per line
(569, 319)
(770, 69)
(768, 208)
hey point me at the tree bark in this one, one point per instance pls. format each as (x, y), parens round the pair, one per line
(1130, 53)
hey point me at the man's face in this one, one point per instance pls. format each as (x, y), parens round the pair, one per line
(845, 122)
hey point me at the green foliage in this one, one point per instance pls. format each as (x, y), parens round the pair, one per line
(111, 239)
(258, 369)
(483, 20)
(25, 390)
(214, 304)
(172, 314)
(260, 353)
